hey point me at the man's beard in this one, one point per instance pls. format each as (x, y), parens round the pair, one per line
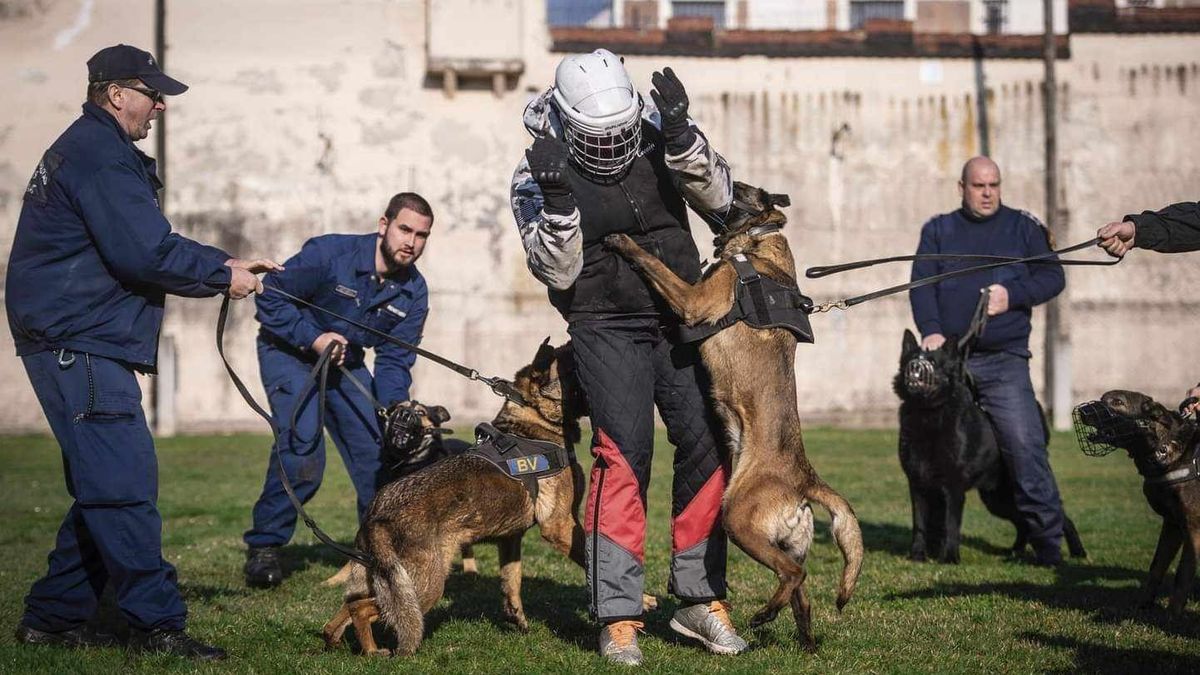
(389, 256)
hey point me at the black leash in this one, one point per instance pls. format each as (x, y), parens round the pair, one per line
(318, 378)
(1045, 258)
(829, 270)
(347, 551)
(499, 386)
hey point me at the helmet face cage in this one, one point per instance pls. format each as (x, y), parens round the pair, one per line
(604, 153)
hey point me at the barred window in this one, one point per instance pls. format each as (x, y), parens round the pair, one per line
(713, 10)
(995, 16)
(862, 11)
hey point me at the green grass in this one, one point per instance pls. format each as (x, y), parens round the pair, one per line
(985, 615)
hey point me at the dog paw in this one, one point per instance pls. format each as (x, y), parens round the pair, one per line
(949, 558)
(918, 556)
(763, 617)
(649, 603)
(618, 242)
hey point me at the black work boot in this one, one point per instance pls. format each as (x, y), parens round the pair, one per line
(262, 567)
(175, 643)
(74, 638)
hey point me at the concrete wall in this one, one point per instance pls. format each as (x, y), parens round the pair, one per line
(306, 115)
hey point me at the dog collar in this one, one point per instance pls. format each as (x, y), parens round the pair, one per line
(1187, 472)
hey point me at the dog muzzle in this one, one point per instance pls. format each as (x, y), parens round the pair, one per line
(1100, 430)
(920, 377)
(401, 425)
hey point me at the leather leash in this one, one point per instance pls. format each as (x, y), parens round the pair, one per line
(999, 261)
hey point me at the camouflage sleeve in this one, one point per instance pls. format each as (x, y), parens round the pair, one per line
(553, 243)
(702, 176)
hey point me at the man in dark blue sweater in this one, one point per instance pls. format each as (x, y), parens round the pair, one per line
(1000, 360)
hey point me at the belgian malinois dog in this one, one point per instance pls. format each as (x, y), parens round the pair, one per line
(766, 509)
(415, 525)
(948, 446)
(1165, 450)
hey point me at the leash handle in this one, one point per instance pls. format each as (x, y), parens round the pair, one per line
(347, 551)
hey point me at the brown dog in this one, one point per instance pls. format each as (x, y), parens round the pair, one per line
(415, 525)
(1164, 456)
(767, 509)
(414, 439)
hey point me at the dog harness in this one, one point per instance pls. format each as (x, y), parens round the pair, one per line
(519, 458)
(761, 302)
(1189, 471)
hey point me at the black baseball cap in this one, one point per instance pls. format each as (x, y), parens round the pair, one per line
(122, 62)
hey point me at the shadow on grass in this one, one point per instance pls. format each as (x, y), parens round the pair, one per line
(295, 558)
(1075, 589)
(1094, 658)
(897, 540)
(561, 607)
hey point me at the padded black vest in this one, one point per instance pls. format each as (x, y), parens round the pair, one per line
(645, 205)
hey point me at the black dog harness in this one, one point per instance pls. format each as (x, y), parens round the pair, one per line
(761, 302)
(1189, 471)
(519, 458)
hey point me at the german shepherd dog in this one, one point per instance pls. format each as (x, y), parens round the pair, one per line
(1166, 450)
(767, 505)
(947, 447)
(415, 525)
(413, 440)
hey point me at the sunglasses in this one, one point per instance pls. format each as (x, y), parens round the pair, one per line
(155, 96)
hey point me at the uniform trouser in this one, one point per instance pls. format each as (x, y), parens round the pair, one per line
(626, 367)
(113, 531)
(350, 419)
(1006, 391)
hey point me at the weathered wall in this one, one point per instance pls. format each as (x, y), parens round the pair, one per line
(305, 116)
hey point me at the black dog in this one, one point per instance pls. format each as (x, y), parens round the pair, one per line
(947, 447)
(413, 439)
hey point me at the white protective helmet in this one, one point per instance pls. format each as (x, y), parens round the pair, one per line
(601, 112)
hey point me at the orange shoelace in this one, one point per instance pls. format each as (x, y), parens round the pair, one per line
(720, 608)
(623, 633)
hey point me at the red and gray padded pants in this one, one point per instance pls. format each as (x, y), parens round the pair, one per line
(627, 366)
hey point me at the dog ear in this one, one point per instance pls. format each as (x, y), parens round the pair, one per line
(909, 344)
(438, 415)
(544, 356)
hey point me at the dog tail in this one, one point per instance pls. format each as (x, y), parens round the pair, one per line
(396, 598)
(847, 534)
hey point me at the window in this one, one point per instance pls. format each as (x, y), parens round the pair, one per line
(713, 10)
(995, 16)
(862, 11)
(593, 13)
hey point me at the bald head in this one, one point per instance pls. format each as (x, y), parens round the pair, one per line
(980, 187)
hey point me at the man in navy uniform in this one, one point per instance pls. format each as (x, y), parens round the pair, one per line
(372, 279)
(999, 362)
(91, 264)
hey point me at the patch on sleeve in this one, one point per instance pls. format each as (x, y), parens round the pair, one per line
(38, 190)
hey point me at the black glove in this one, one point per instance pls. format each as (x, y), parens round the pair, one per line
(548, 164)
(672, 103)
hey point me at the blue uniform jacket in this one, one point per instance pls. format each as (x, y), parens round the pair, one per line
(93, 257)
(946, 307)
(337, 271)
